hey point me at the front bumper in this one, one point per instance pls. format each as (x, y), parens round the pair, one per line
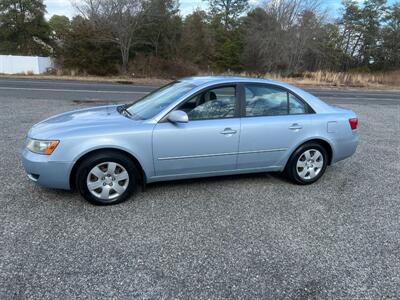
(45, 172)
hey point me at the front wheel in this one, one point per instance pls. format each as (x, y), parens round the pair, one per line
(106, 178)
(307, 164)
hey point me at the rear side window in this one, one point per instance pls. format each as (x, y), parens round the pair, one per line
(271, 101)
(265, 101)
(296, 106)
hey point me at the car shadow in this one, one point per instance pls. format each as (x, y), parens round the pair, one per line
(220, 179)
(62, 195)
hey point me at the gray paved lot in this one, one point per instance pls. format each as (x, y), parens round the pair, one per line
(239, 237)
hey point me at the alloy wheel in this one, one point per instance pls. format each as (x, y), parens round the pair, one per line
(310, 164)
(107, 180)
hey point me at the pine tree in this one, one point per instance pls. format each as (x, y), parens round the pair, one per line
(228, 11)
(225, 20)
(23, 28)
(390, 57)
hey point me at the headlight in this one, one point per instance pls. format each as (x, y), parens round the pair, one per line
(42, 147)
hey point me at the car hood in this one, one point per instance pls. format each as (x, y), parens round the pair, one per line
(85, 121)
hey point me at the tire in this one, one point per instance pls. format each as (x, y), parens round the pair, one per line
(307, 164)
(107, 178)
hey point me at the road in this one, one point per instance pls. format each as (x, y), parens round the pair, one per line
(71, 90)
(235, 237)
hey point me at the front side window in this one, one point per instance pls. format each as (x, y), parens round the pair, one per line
(216, 103)
(153, 103)
(271, 101)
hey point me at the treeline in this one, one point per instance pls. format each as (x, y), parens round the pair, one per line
(153, 38)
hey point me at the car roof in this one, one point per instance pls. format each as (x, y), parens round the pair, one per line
(209, 80)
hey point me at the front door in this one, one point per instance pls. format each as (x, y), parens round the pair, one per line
(208, 143)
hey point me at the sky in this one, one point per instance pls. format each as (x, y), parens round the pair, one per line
(65, 7)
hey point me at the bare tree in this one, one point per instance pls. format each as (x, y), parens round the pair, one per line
(117, 21)
(279, 33)
(287, 12)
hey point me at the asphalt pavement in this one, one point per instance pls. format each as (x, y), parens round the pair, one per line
(92, 91)
(236, 237)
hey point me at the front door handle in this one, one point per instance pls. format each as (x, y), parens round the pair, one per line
(295, 126)
(228, 131)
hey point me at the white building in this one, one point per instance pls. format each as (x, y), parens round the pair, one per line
(10, 64)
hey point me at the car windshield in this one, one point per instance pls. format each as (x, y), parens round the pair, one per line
(153, 103)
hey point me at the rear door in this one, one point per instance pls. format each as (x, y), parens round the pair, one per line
(273, 121)
(208, 143)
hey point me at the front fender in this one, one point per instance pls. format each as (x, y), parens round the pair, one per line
(137, 144)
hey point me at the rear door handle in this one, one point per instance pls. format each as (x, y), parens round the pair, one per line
(228, 131)
(295, 126)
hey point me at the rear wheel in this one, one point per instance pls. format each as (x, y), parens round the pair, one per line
(107, 178)
(307, 164)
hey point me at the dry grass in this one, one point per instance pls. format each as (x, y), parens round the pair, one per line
(110, 79)
(339, 79)
(388, 80)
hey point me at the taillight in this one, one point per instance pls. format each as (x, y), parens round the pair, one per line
(353, 123)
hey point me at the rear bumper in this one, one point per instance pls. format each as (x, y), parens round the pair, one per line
(47, 173)
(345, 148)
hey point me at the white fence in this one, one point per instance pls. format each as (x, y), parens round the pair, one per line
(10, 64)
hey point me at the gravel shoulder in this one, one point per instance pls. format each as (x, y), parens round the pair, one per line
(251, 236)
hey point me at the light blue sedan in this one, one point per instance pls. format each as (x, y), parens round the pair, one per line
(190, 128)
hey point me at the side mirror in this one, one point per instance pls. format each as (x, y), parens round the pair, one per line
(178, 116)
